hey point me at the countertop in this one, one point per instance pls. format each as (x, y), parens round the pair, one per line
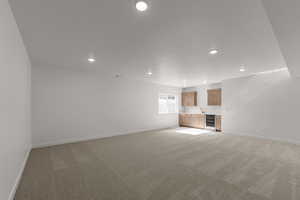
(198, 113)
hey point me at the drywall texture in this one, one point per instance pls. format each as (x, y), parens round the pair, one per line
(265, 105)
(72, 105)
(15, 140)
(202, 105)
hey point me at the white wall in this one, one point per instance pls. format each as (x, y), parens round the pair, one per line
(202, 100)
(72, 105)
(15, 139)
(265, 105)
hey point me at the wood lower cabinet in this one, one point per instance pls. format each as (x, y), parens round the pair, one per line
(189, 98)
(192, 120)
(198, 121)
(218, 122)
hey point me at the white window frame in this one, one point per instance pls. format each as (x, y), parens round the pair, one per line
(176, 101)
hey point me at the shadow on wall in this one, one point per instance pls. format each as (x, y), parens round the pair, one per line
(264, 105)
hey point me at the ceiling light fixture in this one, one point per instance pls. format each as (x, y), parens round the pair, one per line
(141, 6)
(149, 73)
(213, 51)
(92, 60)
(242, 69)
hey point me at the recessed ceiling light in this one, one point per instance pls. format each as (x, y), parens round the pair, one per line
(213, 51)
(91, 60)
(141, 6)
(242, 69)
(149, 73)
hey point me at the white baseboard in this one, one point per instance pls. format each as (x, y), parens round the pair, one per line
(297, 142)
(18, 179)
(82, 139)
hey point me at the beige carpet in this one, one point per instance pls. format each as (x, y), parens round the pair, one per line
(164, 165)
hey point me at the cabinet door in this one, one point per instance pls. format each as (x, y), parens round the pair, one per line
(202, 121)
(184, 120)
(189, 120)
(214, 97)
(194, 121)
(218, 123)
(198, 121)
(189, 99)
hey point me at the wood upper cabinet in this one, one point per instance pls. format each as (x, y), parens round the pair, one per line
(214, 97)
(189, 98)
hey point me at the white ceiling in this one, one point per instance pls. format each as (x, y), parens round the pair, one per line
(172, 38)
(285, 19)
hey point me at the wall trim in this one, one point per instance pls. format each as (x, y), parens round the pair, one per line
(297, 142)
(82, 139)
(19, 176)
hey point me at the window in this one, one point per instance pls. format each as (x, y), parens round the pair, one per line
(168, 103)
